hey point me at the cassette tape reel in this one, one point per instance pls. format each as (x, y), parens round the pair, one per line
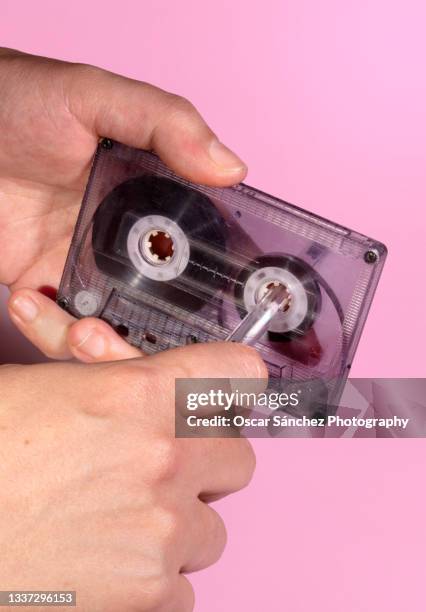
(168, 263)
(149, 231)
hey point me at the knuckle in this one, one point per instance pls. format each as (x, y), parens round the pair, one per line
(152, 593)
(83, 71)
(156, 374)
(188, 594)
(78, 80)
(244, 459)
(248, 461)
(164, 459)
(156, 385)
(161, 380)
(217, 531)
(181, 370)
(179, 104)
(167, 522)
(157, 592)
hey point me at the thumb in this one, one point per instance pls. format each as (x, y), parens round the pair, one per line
(141, 115)
(210, 360)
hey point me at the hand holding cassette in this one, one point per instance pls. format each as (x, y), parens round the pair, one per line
(46, 146)
(176, 263)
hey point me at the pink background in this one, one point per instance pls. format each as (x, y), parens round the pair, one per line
(326, 102)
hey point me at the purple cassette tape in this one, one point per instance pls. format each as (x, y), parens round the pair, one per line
(168, 263)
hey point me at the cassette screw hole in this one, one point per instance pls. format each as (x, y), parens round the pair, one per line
(371, 256)
(64, 303)
(151, 338)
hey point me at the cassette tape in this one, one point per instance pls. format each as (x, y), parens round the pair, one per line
(168, 263)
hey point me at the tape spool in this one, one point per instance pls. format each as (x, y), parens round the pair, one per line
(298, 316)
(163, 237)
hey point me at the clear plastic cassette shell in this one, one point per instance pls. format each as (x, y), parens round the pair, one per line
(168, 263)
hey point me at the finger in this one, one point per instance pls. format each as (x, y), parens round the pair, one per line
(144, 116)
(183, 596)
(40, 320)
(212, 476)
(92, 340)
(210, 360)
(59, 336)
(195, 365)
(205, 538)
(213, 368)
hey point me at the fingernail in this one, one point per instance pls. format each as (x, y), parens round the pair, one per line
(92, 344)
(25, 309)
(224, 157)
